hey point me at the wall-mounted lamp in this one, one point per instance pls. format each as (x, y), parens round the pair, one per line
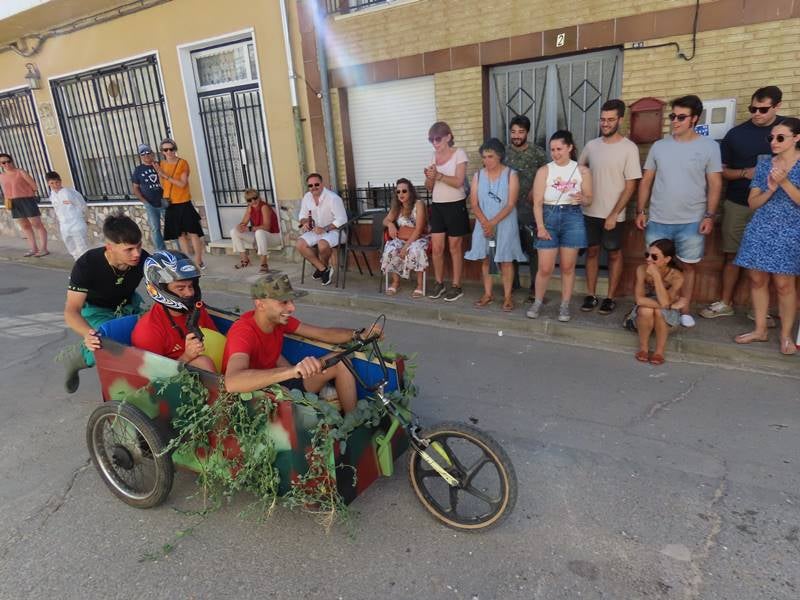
(33, 77)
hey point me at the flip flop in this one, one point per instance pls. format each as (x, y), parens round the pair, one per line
(483, 301)
(749, 338)
(643, 356)
(41, 254)
(657, 359)
(30, 253)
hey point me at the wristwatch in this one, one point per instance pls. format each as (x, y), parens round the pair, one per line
(709, 215)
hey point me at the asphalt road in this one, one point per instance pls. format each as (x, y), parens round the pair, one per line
(679, 481)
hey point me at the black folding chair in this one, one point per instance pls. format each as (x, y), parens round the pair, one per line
(354, 245)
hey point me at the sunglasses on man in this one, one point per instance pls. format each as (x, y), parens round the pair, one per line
(679, 118)
(760, 109)
(312, 186)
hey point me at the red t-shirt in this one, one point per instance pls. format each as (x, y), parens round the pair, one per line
(154, 331)
(263, 348)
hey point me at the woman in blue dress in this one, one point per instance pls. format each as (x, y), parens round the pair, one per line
(493, 198)
(771, 243)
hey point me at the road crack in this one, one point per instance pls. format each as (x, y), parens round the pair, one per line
(666, 404)
(696, 581)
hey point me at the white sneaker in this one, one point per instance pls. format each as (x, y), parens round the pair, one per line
(687, 321)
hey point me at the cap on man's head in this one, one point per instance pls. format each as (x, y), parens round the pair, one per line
(274, 287)
(145, 149)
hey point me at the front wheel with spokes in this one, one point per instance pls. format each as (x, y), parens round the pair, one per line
(126, 447)
(486, 484)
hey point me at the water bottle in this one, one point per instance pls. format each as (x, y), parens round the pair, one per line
(491, 247)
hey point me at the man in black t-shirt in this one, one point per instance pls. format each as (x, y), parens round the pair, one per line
(102, 286)
(147, 188)
(741, 148)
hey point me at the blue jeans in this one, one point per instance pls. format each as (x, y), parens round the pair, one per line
(689, 242)
(566, 227)
(155, 216)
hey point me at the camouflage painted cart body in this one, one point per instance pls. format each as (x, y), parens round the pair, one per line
(131, 375)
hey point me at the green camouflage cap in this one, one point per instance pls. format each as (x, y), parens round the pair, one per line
(274, 287)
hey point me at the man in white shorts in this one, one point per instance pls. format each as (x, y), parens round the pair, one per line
(321, 214)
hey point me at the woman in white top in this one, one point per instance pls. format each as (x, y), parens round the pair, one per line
(444, 178)
(560, 189)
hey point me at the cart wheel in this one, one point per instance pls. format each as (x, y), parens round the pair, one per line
(487, 485)
(125, 445)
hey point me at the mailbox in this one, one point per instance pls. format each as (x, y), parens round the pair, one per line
(647, 119)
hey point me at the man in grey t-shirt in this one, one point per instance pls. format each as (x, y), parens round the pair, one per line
(684, 173)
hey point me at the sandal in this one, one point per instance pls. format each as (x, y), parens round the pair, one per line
(391, 290)
(788, 347)
(264, 269)
(749, 338)
(484, 301)
(245, 262)
(657, 359)
(508, 305)
(418, 293)
(31, 253)
(643, 356)
(41, 254)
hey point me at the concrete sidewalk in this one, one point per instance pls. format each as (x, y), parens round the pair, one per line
(711, 341)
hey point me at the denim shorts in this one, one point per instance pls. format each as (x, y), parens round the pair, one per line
(565, 225)
(689, 242)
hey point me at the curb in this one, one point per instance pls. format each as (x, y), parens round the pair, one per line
(680, 347)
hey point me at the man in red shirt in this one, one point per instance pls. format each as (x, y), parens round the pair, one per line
(172, 281)
(253, 360)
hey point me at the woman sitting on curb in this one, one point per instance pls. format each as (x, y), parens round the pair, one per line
(658, 299)
(407, 248)
(258, 224)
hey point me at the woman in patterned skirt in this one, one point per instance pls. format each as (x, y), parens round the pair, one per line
(407, 248)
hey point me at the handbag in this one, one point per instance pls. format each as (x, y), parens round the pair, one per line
(9, 203)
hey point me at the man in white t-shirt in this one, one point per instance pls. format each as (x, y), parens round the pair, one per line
(321, 214)
(614, 163)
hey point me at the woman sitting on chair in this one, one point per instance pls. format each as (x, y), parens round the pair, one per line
(258, 224)
(407, 248)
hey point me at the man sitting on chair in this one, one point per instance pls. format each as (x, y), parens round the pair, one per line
(173, 281)
(322, 212)
(253, 352)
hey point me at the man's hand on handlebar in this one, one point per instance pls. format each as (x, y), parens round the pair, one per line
(308, 366)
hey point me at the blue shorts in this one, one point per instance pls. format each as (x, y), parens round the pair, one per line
(689, 242)
(565, 225)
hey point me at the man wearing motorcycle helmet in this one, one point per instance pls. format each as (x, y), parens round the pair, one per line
(171, 327)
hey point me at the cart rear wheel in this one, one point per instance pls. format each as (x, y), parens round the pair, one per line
(487, 484)
(125, 446)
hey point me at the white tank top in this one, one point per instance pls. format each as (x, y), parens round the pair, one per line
(562, 182)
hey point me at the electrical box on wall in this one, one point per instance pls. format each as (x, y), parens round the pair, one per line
(718, 117)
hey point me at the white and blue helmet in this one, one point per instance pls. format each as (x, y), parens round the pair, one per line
(163, 267)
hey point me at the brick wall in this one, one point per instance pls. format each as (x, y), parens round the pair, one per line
(459, 103)
(432, 24)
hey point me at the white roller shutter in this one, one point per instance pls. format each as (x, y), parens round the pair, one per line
(389, 125)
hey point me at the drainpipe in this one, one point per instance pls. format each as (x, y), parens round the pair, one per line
(298, 122)
(327, 113)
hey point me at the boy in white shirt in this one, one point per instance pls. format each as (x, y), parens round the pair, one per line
(70, 209)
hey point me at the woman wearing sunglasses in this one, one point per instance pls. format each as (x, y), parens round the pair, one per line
(771, 243)
(658, 300)
(407, 248)
(493, 198)
(181, 219)
(260, 225)
(22, 199)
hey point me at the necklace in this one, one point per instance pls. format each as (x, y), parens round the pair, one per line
(120, 275)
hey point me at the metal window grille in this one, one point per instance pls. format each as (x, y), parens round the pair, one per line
(21, 136)
(347, 6)
(360, 200)
(105, 114)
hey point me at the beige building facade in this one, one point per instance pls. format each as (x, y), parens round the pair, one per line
(214, 76)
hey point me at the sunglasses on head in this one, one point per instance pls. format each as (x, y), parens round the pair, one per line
(652, 255)
(168, 149)
(314, 185)
(436, 139)
(680, 118)
(761, 109)
(780, 138)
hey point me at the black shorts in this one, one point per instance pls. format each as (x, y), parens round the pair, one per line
(181, 218)
(596, 233)
(24, 208)
(450, 218)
